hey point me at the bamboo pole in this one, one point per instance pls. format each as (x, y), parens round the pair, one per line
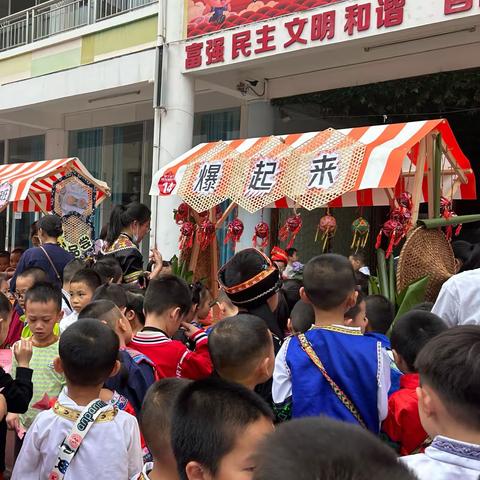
(418, 180)
(437, 176)
(430, 154)
(214, 259)
(444, 222)
(225, 215)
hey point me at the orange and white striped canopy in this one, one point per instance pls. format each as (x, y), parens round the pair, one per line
(32, 182)
(388, 164)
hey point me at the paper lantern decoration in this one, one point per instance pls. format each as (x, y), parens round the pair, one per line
(262, 231)
(234, 232)
(291, 228)
(361, 233)
(327, 227)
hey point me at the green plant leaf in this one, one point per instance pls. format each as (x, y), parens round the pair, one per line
(382, 273)
(373, 287)
(413, 295)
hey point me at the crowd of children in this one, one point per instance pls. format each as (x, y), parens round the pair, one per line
(120, 382)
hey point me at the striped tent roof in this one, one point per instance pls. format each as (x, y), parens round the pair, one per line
(389, 162)
(32, 182)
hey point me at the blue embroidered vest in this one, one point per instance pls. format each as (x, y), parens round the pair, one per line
(351, 360)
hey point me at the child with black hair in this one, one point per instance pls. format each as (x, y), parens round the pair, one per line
(357, 315)
(323, 449)
(380, 314)
(15, 256)
(43, 310)
(82, 288)
(227, 422)
(15, 394)
(301, 318)
(113, 292)
(109, 438)
(201, 300)
(25, 280)
(138, 370)
(332, 369)
(109, 269)
(4, 261)
(69, 271)
(227, 308)
(410, 334)
(134, 310)
(241, 349)
(167, 303)
(449, 406)
(156, 426)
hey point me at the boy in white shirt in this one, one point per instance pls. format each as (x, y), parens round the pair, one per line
(449, 406)
(109, 438)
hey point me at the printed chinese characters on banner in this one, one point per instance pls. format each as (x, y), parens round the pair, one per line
(263, 177)
(300, 31)
(208, 178)
(324, 170)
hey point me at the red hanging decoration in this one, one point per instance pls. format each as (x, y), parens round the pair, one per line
(292, 226)
(234, 232)
(204, 215)
(446, 211)
(398, 225)
(181, 214)
(327, 226)
(206, 234)
(262, 232)
(187, 231)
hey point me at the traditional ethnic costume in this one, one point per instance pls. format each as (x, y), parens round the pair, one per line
(143, 475)
(402, 425)
(446, 459)
(249, 279)
(395, 373)
(171, 357)
(334, 371)
(126, 251)
(110, 449)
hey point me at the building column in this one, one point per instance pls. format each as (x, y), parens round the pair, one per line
(257, 121)
(56, 144)
(173, 125)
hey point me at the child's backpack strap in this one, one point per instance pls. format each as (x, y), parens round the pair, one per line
(72, 442)
(139, 357)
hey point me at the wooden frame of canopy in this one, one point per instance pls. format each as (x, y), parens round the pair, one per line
(417, 157)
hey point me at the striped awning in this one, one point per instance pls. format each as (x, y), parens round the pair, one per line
(32, 182)
(388, 166)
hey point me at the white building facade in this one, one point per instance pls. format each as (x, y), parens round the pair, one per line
(129, 85)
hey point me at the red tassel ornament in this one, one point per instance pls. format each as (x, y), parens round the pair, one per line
(446, 211)
(206, 234)
(234, 232)
(262, 231)
(187, 232)
(292, 226)
(181, 214)
(398, 225)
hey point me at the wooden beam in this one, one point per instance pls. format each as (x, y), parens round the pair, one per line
(453, 163)
(445, 173)
(418, 180)
(225, 215)
(214, 258)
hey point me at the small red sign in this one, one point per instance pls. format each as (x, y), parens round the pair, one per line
(167, 183)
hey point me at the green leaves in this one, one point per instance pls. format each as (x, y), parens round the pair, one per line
(179, 268)
(413, 295)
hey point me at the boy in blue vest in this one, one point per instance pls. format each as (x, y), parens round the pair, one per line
(332, 369)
